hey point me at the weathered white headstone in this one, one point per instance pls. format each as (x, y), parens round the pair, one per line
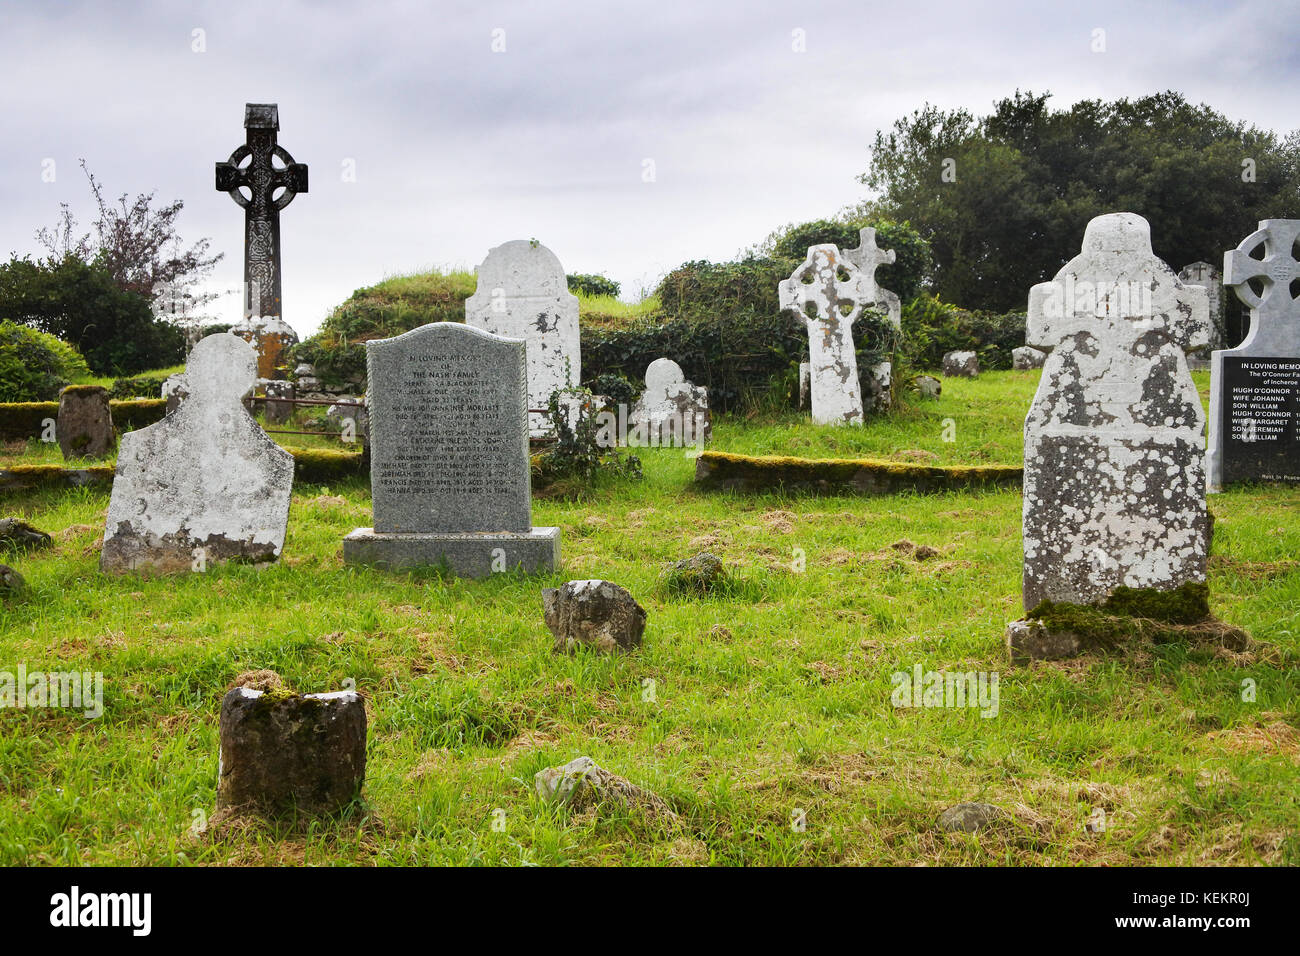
(205, 484)
(828, 291)
(1211, 280)
(1255, 388)
(961, 364)
(453, 486)
(869, 257)
(671, 411)
(1114, 486)
(522, 293)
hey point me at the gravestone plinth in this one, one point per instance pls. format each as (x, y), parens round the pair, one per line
(205, 484)
(1114, 482)
(449, 464)
(522, 293)
(1255, 388)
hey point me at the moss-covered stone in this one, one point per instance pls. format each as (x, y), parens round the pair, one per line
(1059, 629)
(756, 474)
(321, 466)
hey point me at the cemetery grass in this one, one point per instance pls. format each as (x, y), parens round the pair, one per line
(749, 710)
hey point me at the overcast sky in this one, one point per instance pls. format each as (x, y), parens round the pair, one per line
(457, 148)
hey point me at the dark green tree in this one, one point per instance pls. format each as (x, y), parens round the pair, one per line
(80, 303)
(1004, 199)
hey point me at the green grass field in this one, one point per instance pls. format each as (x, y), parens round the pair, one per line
(767, 704)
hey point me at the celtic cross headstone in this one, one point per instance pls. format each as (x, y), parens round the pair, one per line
(263, 178)
(1255, 388)
(1114, 485)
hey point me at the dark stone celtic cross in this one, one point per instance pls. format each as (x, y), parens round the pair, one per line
(262, 178)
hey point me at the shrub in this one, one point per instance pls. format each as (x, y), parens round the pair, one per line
(141, 386)
(35, 366)
(904, 277)
(581, 284)
(932, 328)
(381, 311)
(577, 457)
(115, 330)
(614, 386)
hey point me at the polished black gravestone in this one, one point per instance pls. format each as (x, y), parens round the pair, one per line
(254, 181)
(1255, 388)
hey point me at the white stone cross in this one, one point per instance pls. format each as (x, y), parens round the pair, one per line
(830, 292)
(1275, 315)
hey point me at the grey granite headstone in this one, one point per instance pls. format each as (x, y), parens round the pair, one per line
(522, 293)
(449, 464)
(205, 484)
(1255, 388)
(1114, 486)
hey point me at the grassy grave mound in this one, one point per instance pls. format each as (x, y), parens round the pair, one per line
(751, 474)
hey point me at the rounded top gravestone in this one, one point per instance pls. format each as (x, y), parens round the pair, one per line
(661, 374)
(523, 267)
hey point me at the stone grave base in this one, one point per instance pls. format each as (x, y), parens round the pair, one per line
(469, 555)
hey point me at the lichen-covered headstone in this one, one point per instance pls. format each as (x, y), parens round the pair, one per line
(1211, 280)
(594, 614)
(671, 411)
(1025, 358)
(205, 484)
(522, 293)
(1255, 388)
(1114, 486)
(961, 364)
(828, 291)
(284, 753)
(85, 424)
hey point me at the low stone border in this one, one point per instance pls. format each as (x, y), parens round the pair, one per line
(311, 466)
(721, 471)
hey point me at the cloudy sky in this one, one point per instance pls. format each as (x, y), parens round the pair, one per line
(743, 114)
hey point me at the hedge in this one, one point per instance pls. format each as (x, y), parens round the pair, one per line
(20, 421)
(837, 476)
(311, 466)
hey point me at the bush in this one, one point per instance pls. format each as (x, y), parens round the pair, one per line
(931, 328)
(141, 386)
(79, 303)
(578, 458)
(722, 323)
(381, 311)
(580, 284)
(35, 366)
(614, 386)
(904, 277)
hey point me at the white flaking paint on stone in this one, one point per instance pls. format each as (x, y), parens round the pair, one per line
(816, 291)
(205, 477)
(522, 293)
(1114, 460)
(671, 411)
